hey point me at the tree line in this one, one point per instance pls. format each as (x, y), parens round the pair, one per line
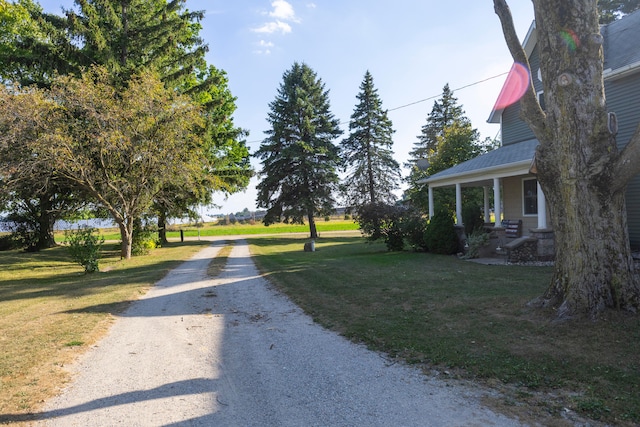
(301, 162)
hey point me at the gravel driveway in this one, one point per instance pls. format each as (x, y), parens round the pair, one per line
(231, 351)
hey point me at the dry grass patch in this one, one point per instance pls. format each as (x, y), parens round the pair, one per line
(50, 312)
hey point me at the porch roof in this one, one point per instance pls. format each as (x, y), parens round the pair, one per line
(509, 160)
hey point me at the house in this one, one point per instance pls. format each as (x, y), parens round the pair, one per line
(507, 171)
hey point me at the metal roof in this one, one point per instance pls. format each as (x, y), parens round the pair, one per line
(507, 157)
(622, 42)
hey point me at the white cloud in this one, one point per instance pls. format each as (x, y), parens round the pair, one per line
(264, 47)
(311, 5)
(273, 27)
(283, 10)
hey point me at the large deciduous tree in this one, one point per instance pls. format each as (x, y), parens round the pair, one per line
(129, 37)
(299, 158)
(580, 168)
(120, 147)
(373, 173)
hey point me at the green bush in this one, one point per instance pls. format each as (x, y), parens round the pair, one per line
(144, 239)
(476, 240)
(472, 218)
(379, 221)
(84, 247)
(8, 242)
(414, 225)
(440, 235)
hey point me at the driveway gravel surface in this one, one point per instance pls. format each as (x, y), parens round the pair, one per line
(232, 351)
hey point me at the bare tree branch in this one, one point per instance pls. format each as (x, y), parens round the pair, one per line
(531, 111)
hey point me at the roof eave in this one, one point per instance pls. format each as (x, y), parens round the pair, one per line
(621, 72)
(501, 171)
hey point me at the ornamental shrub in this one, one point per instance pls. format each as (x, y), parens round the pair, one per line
(379, 221)
(144, 239)
(472, 218)
(84, 246)
(440, 235)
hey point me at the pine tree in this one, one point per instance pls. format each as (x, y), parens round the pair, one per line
(299, 159)
(610, 10)
(373, 174)
(444, 113)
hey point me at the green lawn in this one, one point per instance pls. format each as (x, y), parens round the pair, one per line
(466, 319)
(455, 317)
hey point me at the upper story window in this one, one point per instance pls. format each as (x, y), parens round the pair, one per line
(530, 196)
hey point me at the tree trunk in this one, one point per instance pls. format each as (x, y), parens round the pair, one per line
(594, 269)
(126, 236)
(162, 227)
(578, 162)
(45, 224)
(312, 226)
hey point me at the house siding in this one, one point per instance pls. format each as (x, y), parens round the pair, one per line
(623, 98)
(512, 201)
(513, 128)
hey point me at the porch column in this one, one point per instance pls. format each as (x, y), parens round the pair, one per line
(430, 202)
(458, 204)
(542, 209)
(487, 208)
(497, 201)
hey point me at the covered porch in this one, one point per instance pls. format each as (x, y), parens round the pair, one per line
(505, 172)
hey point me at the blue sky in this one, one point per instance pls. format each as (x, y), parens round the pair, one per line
(411, 47)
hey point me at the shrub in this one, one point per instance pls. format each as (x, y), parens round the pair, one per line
(144, 239)
(414, 225)
(472, 218)
(84, 247)
(379, 221)
(440, 235)
(8, 242)
(476, 240)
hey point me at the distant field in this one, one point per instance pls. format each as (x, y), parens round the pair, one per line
(213, 229)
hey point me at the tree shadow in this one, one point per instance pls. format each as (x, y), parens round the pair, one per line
(174, 389)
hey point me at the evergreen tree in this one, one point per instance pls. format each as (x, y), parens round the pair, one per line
(373, 174)
(444, 113)
(299, 159)
(610, 10)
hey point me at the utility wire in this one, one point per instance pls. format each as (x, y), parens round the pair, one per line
(423, 100)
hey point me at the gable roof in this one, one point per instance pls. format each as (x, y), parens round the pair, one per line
(621, 52)
(622, 45)
(504, 161)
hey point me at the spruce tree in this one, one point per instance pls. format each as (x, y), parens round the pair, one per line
(373, 174)
(445, 112)
(299, 159)
(610, 10)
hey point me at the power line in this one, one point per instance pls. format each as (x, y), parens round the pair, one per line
(425, 99)
(453, 90)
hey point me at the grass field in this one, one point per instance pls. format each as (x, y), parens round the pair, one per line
(466, 319)
(213, 229)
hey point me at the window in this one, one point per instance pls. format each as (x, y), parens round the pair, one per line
(530, 196)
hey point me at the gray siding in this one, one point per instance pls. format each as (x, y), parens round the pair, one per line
(623, 98)
(513, 128)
